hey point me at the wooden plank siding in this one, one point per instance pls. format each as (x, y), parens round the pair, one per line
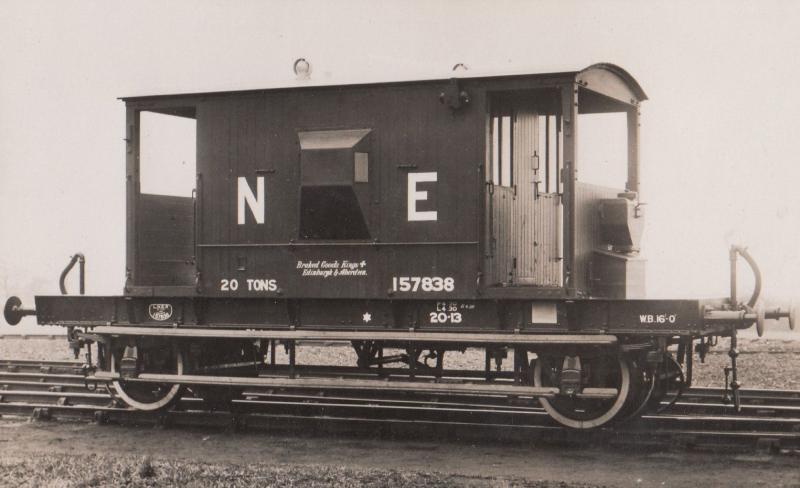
(502, 248)
(546, 253)
(525, 145)
(588, 239)
(165, 241)
(523, 243)
(254, 135)
(483, 235)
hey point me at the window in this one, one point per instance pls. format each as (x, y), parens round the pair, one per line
(549, 153)
(603, 149)
(334, 190)
(361, 167)
(167, 153)
(502, 140)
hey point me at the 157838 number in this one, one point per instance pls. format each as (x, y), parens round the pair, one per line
(423, 283)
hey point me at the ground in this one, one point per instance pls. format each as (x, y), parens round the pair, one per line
(64, 454)
(79, 454)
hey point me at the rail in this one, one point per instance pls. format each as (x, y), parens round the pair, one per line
(56, 390)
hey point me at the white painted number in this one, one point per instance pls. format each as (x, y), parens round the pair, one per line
(423, 283)
(443, 318)
(229, 285)
(661, 318)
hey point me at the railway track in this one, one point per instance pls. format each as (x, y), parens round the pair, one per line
(768, 419)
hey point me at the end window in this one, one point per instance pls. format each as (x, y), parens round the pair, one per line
(603, 149)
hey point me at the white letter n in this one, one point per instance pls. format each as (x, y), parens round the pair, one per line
(255, 202)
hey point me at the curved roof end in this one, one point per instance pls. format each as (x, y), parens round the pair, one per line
(626, 77)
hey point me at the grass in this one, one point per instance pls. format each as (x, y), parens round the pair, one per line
(108, 471)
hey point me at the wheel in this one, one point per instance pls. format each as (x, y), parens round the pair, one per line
(596, 372)
(151, 396)
(671, 384)
(644, 390)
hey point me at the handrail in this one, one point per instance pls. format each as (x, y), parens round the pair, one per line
(77, 258)
(740, 250)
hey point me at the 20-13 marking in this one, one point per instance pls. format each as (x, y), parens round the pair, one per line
(444, 317)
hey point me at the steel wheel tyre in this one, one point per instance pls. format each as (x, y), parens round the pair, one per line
(583, 413)
(150, 397)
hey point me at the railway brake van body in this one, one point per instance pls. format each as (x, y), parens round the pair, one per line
(413, 220)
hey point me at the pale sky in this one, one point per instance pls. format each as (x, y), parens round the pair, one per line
(719, 133)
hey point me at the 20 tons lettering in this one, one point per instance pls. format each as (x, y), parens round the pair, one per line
(423, 283)
(253, 284)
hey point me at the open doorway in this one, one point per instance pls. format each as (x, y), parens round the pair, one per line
(165, 207)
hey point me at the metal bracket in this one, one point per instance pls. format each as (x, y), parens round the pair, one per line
(454, 96)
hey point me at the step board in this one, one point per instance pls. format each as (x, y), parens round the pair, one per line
(360, 384)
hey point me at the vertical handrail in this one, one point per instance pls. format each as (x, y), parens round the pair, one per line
(77, 258)
(197, 228)
(742, 251)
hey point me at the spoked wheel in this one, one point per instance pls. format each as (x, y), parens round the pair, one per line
(644, 383)
(671, 384)
(150, 396)
(596, 372)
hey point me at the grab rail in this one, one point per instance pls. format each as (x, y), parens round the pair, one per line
(740, 250)
(77, 258)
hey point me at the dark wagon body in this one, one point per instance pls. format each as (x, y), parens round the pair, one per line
(300, 143)
(380, 213)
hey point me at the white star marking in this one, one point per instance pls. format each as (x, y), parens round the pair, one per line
(367, 317)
